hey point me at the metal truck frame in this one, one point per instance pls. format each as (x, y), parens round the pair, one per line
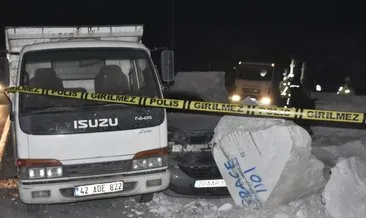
(72, 150)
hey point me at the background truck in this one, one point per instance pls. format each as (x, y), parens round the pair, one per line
(256, 80)
(70, 150)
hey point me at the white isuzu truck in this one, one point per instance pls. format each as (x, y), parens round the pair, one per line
(69, 150)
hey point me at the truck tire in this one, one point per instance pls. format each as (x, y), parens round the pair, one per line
(144, 198)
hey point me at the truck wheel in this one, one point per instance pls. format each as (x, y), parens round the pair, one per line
(144, 198)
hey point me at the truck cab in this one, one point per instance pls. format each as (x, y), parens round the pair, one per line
(67, 149)
(257, 81)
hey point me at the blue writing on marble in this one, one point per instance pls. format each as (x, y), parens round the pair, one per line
(245, 194)
(256, 181)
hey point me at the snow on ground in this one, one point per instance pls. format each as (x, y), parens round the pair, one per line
(331, 143)
(344, 194)
(166, 206)
(330, 154)
(332, 101)
(336, 135)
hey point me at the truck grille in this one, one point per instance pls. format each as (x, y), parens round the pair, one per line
(202, 172)
(97, 168)
(250, 92)
(199, 165)
(190, 137)
(201, 139)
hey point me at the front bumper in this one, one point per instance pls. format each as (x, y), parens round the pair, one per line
(62, 191)
(183, 184)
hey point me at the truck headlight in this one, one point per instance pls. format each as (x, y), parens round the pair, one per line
(154, 162)
(235, 98)
(36, 173)
(53, 172)
(147, 163)
(150, 159)
(265, 101)
(139, 164)
(39, 168)
(48, 172)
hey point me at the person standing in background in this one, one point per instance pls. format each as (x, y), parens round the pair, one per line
(347, 88)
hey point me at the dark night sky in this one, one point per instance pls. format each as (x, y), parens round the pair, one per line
(330, 35)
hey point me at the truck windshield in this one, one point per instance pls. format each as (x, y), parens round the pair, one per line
(120, 71)
(261, 73)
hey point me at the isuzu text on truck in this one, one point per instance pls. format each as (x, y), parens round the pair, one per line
(68, 150)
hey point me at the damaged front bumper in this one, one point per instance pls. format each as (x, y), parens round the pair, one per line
(183, 184)
(196, 174)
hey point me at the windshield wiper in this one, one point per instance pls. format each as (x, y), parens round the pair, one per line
(122, 106)
(49, 110)
(36, 110)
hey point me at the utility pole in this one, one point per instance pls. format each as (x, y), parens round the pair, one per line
(172, 25)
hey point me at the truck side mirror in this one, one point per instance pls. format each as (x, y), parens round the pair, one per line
(167, 66)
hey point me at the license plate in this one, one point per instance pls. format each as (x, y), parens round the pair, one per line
(189, 148)
(177, 148)
(95, 189)
(213, 183)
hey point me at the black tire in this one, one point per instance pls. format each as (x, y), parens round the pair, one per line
(144, 198)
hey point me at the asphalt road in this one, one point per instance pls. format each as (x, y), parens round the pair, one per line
(10, 206)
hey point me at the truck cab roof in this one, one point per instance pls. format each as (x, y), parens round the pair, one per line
(82, 44)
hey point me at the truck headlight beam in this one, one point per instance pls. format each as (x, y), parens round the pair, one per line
(265, 101)
(235, 98)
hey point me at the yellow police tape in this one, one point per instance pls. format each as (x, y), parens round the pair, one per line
(248, 110)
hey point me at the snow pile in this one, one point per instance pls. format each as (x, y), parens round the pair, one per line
(344, 194)
(169, 207)
(310, 207)
(331, 154)
(326, 101)
(328, 135)
(176, 207)
(266, 161)
(337, 133)
(303, 208)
